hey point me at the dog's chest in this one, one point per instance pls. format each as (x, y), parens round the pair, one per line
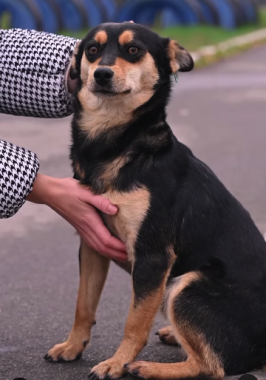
(132, 210)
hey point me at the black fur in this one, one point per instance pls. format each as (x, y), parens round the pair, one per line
(190, 210)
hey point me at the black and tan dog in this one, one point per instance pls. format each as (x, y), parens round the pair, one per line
(192, 246)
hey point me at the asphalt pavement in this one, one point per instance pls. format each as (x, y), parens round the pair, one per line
(220, 113)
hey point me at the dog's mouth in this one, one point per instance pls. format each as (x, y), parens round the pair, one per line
(110, 93)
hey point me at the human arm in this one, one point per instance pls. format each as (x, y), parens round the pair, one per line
(33, 69)
(18, 169)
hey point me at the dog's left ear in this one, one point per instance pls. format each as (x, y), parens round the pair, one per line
(180, 59)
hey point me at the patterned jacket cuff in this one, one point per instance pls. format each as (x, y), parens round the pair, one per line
(18, 170)
(32, 73)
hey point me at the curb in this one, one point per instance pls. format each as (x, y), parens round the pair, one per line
(212, 51)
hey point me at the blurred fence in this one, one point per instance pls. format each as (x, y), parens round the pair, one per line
(55, 15)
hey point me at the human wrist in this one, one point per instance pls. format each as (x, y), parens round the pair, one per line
(45, 190)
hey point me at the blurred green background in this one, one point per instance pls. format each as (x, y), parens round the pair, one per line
(194, 23)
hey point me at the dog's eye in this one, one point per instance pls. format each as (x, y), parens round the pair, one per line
(93, 50)
(133, 50)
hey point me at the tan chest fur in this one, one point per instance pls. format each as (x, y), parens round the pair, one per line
(133, 207)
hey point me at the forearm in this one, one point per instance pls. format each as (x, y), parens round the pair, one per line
(43, 190)
(33, 73)
(18, 170)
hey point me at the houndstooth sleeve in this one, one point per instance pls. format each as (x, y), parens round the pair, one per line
(32, 73)
(18, 169)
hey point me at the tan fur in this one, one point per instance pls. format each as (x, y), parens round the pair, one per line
(102, 113)
(111, 170)
(133, 208)
(126, 37)
(201, 358)
(79, 171)
(181, 283)
(173, 50)
(101, 37)
(169, 371)
(179, 57)
(94, 269)
(138, 325)
(87, 68)
(166, 335)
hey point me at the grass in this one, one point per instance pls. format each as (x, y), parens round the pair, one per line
(5, 19)
(193, 37)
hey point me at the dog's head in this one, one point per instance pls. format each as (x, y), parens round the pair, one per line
(127, 60)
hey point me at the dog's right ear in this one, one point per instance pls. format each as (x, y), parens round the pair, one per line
(74, 72)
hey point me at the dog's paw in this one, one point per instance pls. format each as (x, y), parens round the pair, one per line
(142, 370)
(66, 352)
(166, 336)
(109, 369)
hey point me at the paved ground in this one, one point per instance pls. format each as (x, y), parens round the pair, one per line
(220, 113)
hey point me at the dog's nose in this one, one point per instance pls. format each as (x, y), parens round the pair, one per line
(103, 75)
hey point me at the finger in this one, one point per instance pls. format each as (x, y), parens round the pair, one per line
(112, 254)
(101, 203)
(107, 242)
(104, 235)
(114, 243)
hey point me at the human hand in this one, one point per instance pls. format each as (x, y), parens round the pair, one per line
(77, 204)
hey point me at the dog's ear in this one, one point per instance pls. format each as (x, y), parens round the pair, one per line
(74, 71)
(180, 59)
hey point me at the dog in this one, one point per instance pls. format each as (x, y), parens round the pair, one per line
(193, 249)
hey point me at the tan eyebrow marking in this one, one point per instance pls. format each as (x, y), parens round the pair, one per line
(101, 37)
(126, 37)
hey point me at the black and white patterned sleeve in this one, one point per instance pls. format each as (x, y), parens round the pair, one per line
(33, 73)
(18, 169)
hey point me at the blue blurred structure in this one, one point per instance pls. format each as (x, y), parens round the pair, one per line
(55, 15)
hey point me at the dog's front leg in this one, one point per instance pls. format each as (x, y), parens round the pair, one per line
(93, 273)
(149, 277)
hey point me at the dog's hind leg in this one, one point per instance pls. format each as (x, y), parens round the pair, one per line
(93, 273)
(201, 361)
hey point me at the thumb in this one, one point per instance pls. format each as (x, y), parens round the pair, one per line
(103, 204)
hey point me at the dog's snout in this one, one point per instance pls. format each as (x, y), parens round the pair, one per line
(103, 75)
